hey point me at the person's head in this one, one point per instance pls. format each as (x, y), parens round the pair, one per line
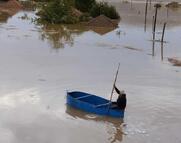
(123, 94)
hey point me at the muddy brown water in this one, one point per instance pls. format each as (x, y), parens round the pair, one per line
(39, 63)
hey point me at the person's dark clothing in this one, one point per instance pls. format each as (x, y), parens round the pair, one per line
(117, 90)
(121, 101)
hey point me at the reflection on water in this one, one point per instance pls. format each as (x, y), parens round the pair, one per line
(3, 17)
(102, 30)
(153, 87)
(11, 100)
(113, 125)
(61, 35)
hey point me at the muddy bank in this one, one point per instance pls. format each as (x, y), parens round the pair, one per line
(9, 8)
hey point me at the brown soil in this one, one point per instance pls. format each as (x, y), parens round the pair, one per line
(10, 7)
(102, 21)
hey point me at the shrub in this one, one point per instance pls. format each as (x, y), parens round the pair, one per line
(85, 17)
(103, 8)
(61, 11)
(57, 11)
(84, 5)
(28, 5)
(42, 0)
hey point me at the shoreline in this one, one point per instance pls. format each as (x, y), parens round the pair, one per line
(136, 1)
(134, 14)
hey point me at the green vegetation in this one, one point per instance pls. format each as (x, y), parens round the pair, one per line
(28, 5)
(42, 0)
(85, 17)
(57, 11)
(73, 11)
(60, 35)
(84, 5)
(103, 8)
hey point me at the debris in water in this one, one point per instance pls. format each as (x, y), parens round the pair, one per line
(173, 5)
(175, 61)
(131, 48)
(41, 79)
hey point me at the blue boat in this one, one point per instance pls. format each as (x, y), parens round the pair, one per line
(93, 104)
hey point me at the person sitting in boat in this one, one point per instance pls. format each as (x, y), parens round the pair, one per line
(121, 100)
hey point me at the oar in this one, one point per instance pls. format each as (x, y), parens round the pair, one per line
(113, 86)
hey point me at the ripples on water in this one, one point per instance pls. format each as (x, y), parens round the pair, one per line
(39, 63)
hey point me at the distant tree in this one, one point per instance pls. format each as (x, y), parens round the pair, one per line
(63, 11)
(84, 5)
(57, 11)
(102, 8)
(71, 2)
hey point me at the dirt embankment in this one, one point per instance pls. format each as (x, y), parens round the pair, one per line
(10, 7)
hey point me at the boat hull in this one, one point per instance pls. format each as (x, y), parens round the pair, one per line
(92, 104)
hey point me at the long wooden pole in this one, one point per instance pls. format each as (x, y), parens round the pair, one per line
(113, 87)
(163, 33)
(164, 26)
(162, 51)
(114, 82)
(146, 11)
(154, 25)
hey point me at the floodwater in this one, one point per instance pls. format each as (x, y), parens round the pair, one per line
(39, 63)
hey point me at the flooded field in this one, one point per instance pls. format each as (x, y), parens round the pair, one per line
(40, 63)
